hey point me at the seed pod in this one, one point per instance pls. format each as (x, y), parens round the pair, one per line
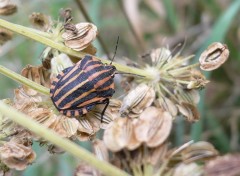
(214, 56)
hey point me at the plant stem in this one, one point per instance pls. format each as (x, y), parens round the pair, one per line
(67, 145)
(28, 32)
(23, 80)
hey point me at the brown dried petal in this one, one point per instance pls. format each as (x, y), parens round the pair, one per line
(188, 169)
(199, 151)
(5, 35)
(137, 99)
(214, 56)
(153, 126)
(100, 150)
(40, 21)
(118, 134)
(8, 9)
(87, 32)
(16, 155)
(228, 165)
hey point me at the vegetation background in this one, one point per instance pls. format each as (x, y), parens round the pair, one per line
(143, 25)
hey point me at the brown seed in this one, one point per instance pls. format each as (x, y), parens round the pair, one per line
(214, 56)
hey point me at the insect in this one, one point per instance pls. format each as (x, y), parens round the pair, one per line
(77, 89)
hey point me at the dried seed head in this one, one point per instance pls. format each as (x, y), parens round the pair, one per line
(40, 21)
(80, 39)
(224, 165)
(137, 100)
(153, 126)
(5, 35)
(6, 8)
(214, 56)
(198, 80)
(16, 156)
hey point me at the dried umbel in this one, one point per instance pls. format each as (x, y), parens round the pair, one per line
(214, 56)
(79, 36)
(176, 84)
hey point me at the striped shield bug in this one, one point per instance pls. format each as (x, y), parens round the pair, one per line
(77, 89)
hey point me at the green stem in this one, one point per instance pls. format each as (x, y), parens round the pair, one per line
(24, 80)
(67, 145)
(28, 32)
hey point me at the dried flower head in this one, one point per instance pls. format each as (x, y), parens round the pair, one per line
(79, 36)
(214, 56)
(175, 83)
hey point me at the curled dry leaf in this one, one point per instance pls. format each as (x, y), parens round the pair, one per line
(199, 151)
(16, 156)
(153, 126)
(86, 33)
(137, 100)
(5, 35)
(40, 21)
(224, 165)
(214, 56)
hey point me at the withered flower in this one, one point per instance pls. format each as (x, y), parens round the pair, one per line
(175, 83)
(86, 33)
(16, 155)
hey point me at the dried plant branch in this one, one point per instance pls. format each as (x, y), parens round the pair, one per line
(28, 32)
(63, 143)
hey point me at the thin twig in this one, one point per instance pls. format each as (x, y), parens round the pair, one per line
(139, 41)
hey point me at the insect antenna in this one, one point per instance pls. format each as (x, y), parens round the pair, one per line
(115, 51)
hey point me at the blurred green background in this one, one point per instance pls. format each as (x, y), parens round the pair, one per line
(143, 25)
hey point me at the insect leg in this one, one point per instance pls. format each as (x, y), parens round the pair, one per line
(104, 109)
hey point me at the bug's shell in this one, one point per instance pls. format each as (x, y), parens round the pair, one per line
(77, 89)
